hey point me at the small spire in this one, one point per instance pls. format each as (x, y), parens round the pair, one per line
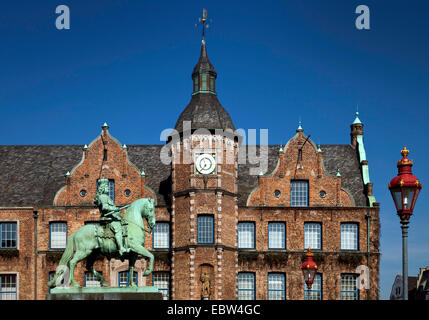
(300, 129)
(281, 149)
(357, 120)
(85, 147)
(318, 149)
(124, 146)
(68, 174)
(338, 172)
(142, 173)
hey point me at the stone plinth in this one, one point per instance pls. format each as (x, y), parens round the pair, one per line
(105, 293)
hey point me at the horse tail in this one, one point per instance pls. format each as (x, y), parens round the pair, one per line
(65, 259)
(68, 253)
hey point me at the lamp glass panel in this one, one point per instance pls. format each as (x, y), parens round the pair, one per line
(397, 197)
(408, 197)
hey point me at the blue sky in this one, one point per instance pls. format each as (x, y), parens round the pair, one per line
(129, 63)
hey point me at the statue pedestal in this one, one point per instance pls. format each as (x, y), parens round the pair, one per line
(105, 293)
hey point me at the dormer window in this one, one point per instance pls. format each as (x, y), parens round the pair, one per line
(204, 82)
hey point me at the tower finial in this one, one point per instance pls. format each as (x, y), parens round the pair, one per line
(299, 125)
(357, 120)
(203, 20)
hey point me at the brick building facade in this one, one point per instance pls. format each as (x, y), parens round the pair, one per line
(246, 232)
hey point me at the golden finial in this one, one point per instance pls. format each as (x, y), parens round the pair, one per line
(405, 152)
(204, 21)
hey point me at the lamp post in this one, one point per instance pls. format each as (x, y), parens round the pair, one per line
(405, 188)
(309, 268)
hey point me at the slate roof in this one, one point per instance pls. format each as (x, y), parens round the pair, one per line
(205, 111)
(204, 64)
(31, 175)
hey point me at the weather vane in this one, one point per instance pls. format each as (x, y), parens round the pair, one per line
(203, 20)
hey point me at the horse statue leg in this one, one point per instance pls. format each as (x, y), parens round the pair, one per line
(139, 249)
(90, 267)
(131, 263)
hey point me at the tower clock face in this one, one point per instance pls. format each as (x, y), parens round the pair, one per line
(205, 163)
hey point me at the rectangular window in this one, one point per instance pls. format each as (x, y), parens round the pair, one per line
(276, 286)
(161, 235)
(196, 84)
(246, 235)
(161, 280)
(315, 293)
(246, 286)
(111, 189)
(349, 290)
(276, 235)
(91, 280)
(123, 277)
(8, 235)
(204, 82)
(8, 287)
(205, 229)
(349, 236)
(313, 235)
(299, 193)
(58, 235)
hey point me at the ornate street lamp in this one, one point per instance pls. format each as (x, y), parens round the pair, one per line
(405, 189)
(309, 268)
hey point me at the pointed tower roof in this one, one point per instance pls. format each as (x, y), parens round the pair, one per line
(203, 65)
(204, 110)
(357, 120)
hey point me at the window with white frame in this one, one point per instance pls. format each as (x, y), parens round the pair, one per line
(349, 236)
(246, 235)
(299, 193)
(313, 235)
(246, 286)
(8, 287)
(161, 235)
(276, 286)
(315, 293)
(161, 281)
(111, 189)
(349, 289)
(276, 235)
(8, 235)
(91, 280)
(124, 276)
(58, 235)
(205, 227)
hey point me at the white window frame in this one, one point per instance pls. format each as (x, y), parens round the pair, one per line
(246, 236)
(310, 240)
(16, 274)
(161, 237)
(159, 283)
(349, 236)
(53, 245)
(273, 238)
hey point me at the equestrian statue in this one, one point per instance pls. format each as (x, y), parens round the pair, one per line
(114, 237)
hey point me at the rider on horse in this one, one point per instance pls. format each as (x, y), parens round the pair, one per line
(110, 212)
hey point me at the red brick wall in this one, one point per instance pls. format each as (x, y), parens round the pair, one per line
(23, 264)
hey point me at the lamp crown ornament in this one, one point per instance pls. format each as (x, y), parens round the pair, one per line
(405, 187)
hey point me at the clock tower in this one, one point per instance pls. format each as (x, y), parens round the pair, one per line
(204, 200)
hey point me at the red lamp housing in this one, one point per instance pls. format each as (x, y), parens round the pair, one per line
(309, 268)
(405, 187)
